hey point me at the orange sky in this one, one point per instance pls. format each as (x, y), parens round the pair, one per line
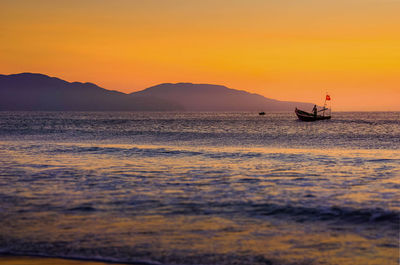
(282, 49)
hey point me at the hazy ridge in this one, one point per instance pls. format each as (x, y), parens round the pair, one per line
(29, 91)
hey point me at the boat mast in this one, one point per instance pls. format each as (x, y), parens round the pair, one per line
(323, 113)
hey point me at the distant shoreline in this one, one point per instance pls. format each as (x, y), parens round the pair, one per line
(31, 91)
(205, 111)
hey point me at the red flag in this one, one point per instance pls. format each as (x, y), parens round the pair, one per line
(328, 97)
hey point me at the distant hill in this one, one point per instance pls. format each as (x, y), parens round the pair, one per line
(28, 91)
(205, 97)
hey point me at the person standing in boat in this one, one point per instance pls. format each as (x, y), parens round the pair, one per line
(315, 111)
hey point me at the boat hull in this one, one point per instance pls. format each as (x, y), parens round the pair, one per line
(306, 116)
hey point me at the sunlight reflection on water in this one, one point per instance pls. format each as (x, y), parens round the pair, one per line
(198, 203)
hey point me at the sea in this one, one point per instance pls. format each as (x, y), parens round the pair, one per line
(191, 188)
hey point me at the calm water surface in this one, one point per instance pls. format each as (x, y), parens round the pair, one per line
(201, 188)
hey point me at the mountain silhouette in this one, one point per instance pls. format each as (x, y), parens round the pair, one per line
(29, 91)
(205, 97)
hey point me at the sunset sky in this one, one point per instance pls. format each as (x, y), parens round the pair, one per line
(282, 49)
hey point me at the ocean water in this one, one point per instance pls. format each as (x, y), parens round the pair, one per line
(201, 188)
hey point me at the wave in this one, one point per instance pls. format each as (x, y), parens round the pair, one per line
(211, 154)
(206, 258)
(124, 151)
(259, 210)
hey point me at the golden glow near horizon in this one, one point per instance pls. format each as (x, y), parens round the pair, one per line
(282, 49)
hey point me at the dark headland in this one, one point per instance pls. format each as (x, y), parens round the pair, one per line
(28, 91)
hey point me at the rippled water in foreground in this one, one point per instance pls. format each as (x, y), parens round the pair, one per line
(201, 188)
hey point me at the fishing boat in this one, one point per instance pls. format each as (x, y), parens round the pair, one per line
(314, 116)
(261, 113)
(306, 116)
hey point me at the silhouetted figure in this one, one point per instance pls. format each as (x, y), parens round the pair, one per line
(315, 111)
